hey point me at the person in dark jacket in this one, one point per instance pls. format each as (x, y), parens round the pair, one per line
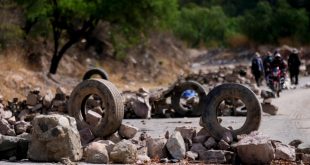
(293, 63)
(267, 65)
(257, 68)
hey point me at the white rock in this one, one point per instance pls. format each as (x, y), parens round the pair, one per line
(284, 152)
(96, 153)
(124, 152)
(127, 131)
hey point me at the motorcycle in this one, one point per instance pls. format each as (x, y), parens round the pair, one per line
(276, 81)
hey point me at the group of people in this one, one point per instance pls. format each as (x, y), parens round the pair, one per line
(262, 67)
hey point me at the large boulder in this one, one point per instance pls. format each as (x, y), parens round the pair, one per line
(127, 131)
(124, 152)
(55, 137)
(96, 152)
(255, 148)
(156, 147)
(284, 152)
(176, 146)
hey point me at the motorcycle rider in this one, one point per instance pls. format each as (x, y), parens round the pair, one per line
(293, 66)
(257, 68)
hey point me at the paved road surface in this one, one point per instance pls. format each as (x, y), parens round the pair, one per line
(292, 121)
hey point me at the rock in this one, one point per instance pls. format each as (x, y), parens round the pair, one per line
(32, 99)
(228, 137)
(23, 114)
(267, 101)
(156, 147)
(284, 152)
(124, 152)
(11, 146)
(5, 127)
(267, 94)
(167, 134)
(255, 149)
(141, 108)
(127, 131)
(198, 148)
(92, 118)
(270, 109)
(37, 107)
(143, 159)
(305, 158)
(190, 155)
(295, 143)
(187, 132)
(200, 139)
(210, 143)
(86, 136)
(7, 114)
(115, 138)
(109, 145)
(21, 127)
(164, 160)
(176, 146)
(48, 99)
(12, 120)
(96, 153)
(213, 156)
(55, 137)
(203, 132)
(223, 145)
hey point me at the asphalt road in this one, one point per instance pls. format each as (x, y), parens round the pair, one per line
(292, 121)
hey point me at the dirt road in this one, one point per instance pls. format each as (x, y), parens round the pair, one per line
(292, 121)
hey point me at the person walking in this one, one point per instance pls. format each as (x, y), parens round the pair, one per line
(293, 63)
(257, 68)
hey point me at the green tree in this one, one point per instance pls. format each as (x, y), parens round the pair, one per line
(73, 20)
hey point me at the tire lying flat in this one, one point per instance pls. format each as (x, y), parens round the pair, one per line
(108, 93)
(96, 71)
(177, 94)
(226, 91)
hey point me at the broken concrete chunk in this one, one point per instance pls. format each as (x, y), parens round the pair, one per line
(176, 146)
(124, 152)
(127, 131)
(92, 118)
(96, 153)
(284, 152)
(55, 137)
(47, 99)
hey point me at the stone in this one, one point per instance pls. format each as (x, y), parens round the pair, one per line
(115, 138)
(37, 107)
(228, 137)
(223, 145)
(96, 153)
(190, 155)
(5, 127)
(156, 148)
(284, 152)
(270, 109)
(198, 148)
(267, 101)
(23, 114)
(7, 114)
(21, 127)
(55, 137)
(255, 148)
(267, 94)
(124, 152)
(92, 118)
(12, 120)
(305, 158)
(213, 156)
(176, 146)
(86, 136)
(210, 143)
(143, 159)
(203, 132)
(200, 139)
(187, 132)
(141, 108)
(11, 146)
(109, 145)
(32, 99)
(127, 131)
(48, 99)
(167, 134)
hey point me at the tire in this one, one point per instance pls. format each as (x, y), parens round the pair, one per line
(176, 97)
(114, 107)
(225, 91)
(96, 71)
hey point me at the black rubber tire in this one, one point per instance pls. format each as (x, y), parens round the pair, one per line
(176, 97)
(109, 94)
(225, 91)
(96, 71)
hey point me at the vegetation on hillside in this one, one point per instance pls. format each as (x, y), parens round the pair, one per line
(207, 23)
